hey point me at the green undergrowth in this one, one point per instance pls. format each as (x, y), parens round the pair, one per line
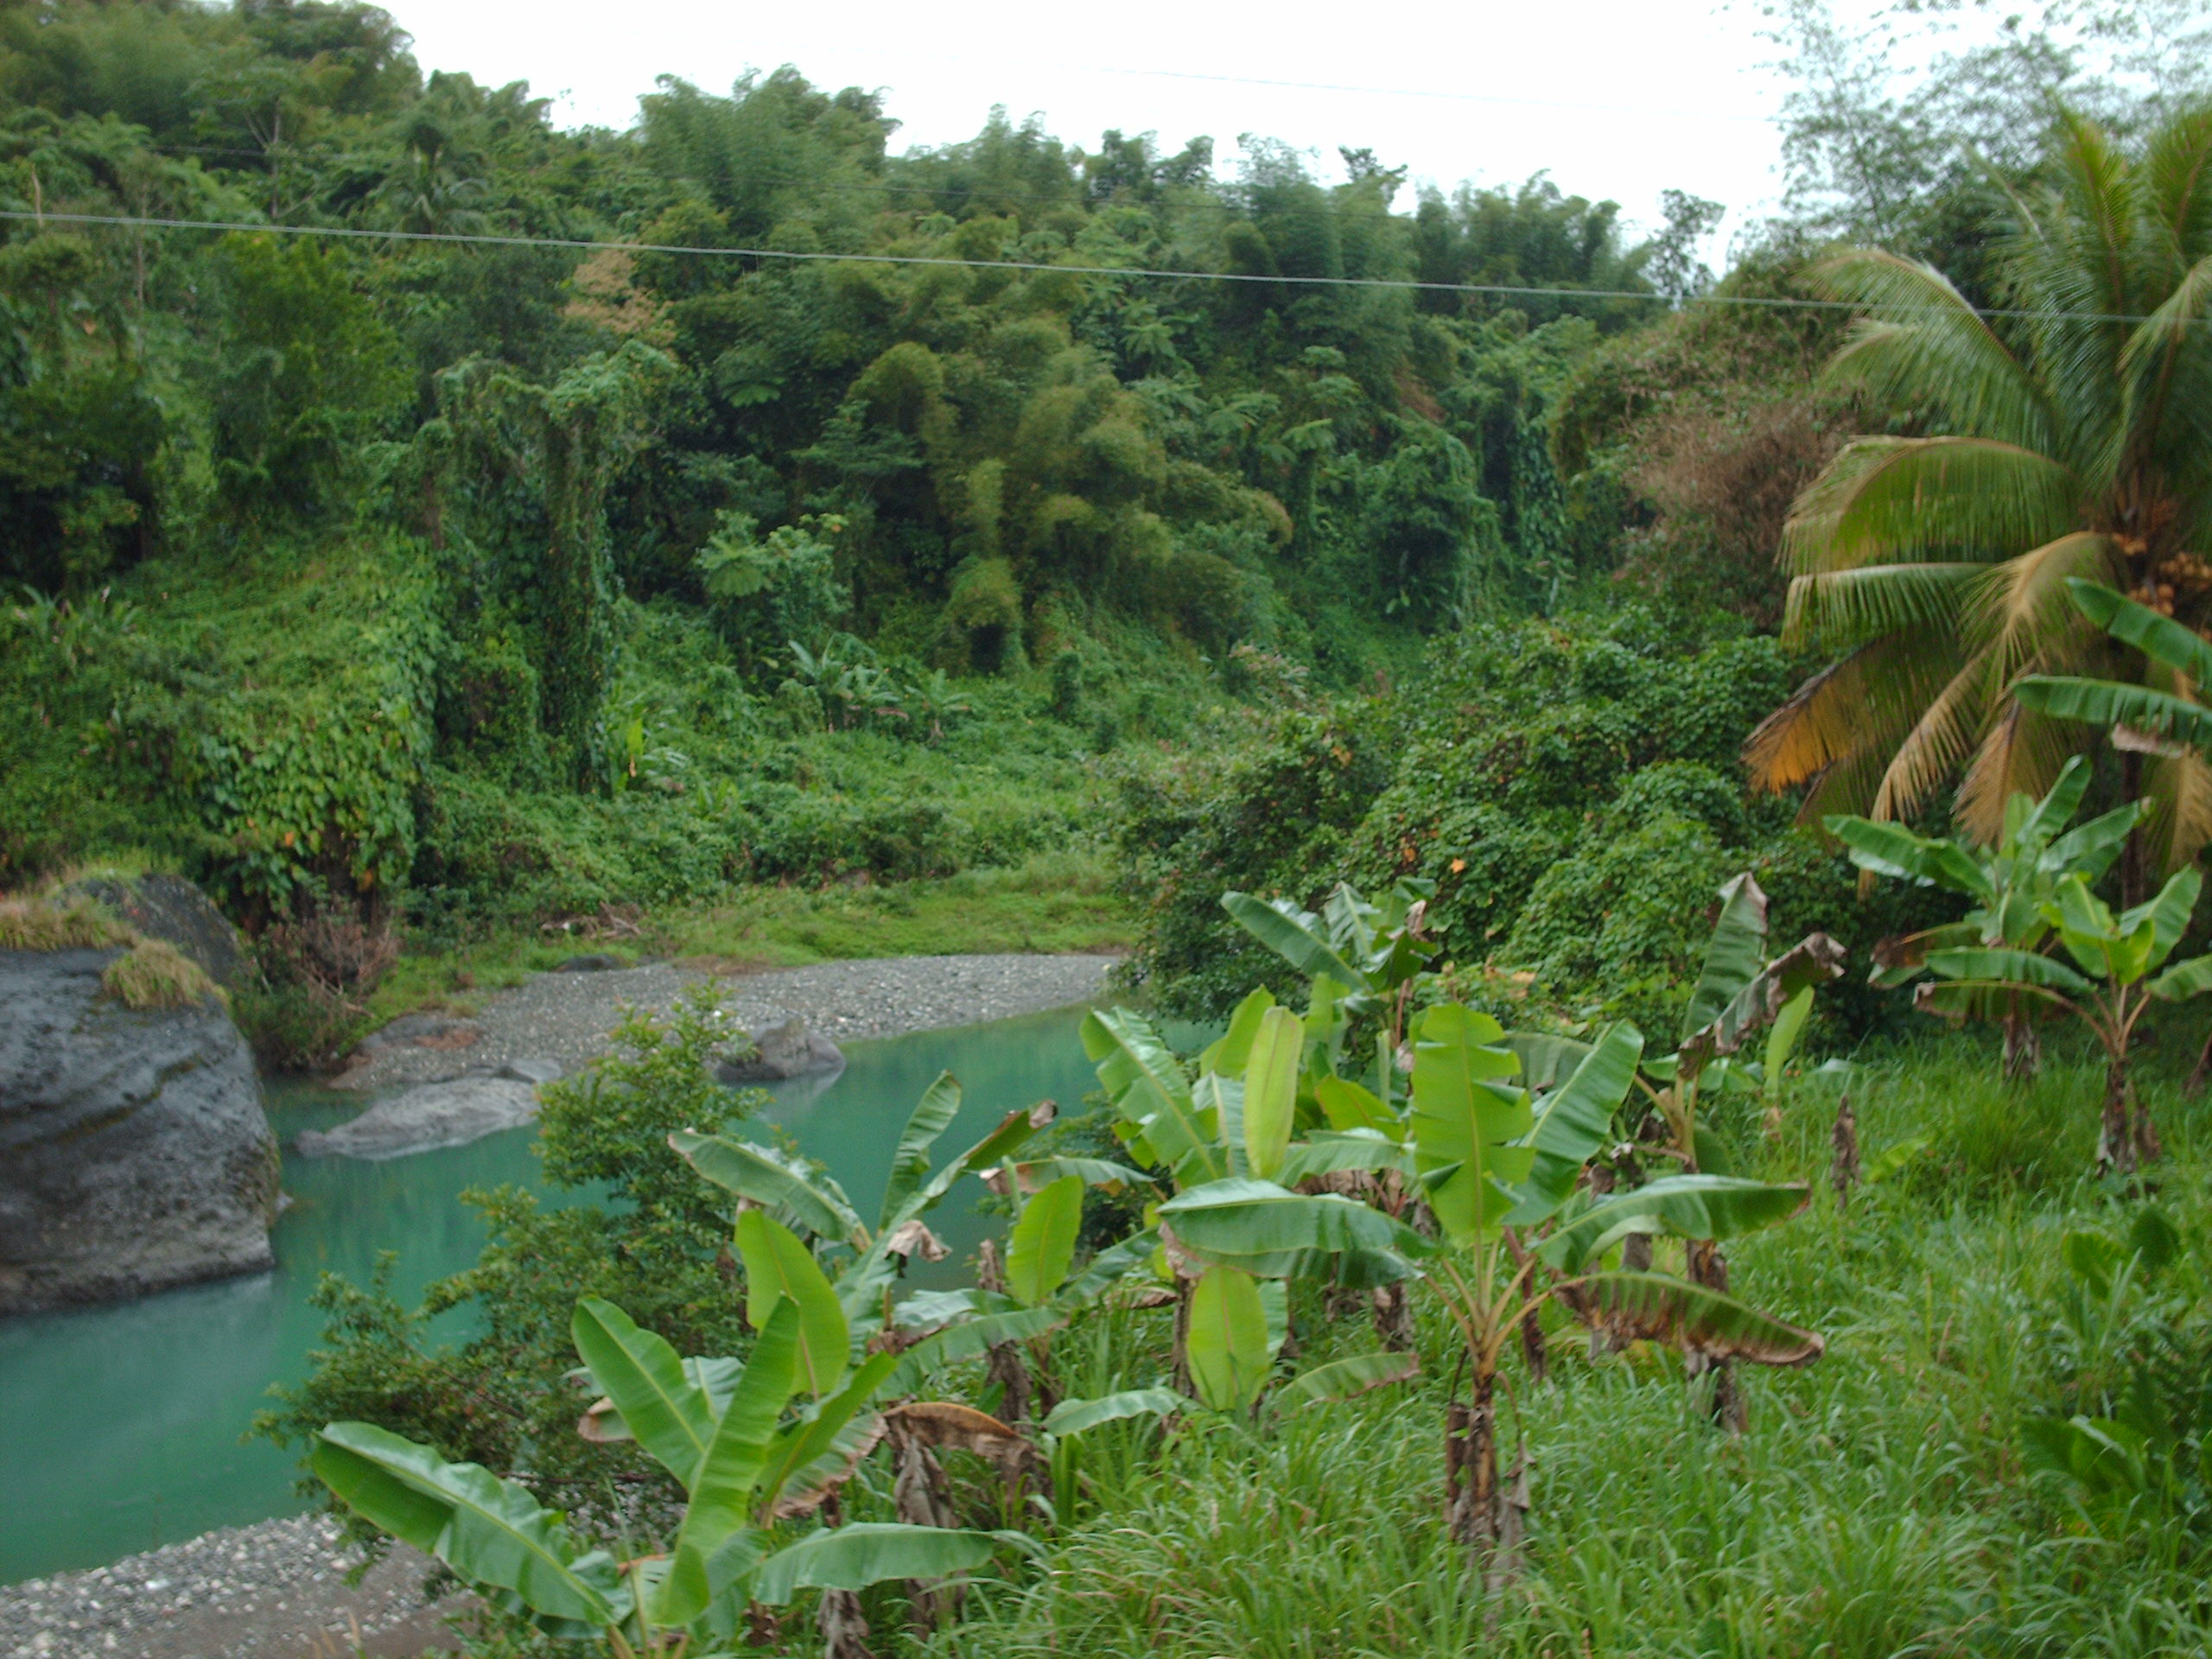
(1879, 1505)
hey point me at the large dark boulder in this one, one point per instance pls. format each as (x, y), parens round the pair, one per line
(134, 1154)
(170, 908)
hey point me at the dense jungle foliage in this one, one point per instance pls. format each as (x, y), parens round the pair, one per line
(461, 583)
(1556, 1240)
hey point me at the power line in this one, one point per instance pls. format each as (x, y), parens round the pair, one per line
(1498, 289)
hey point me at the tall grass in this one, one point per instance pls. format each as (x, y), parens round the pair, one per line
(1878, 1506)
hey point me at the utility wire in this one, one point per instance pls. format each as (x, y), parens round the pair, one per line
(1498, 289)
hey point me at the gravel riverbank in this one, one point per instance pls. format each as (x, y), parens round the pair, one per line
(276, 1590)
(565, 1018)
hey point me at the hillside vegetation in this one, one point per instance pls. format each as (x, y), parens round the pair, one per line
(1569, 1231)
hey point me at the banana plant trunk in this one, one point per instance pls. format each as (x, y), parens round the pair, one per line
(2128, 1139)
(1394, 1318)
(2022, 1048)
(1470, 1495)
(1481, 1511)
(1709, 1267)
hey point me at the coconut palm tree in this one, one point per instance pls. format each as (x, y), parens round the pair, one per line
(2072, 438)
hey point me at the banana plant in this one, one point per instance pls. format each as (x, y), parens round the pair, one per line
(2010, 885)
(797, 1228)
(1360, 957)
(1228, 1137)
(736, 1457)
(1739, 991)
(1503, 1173)
(2114, 979)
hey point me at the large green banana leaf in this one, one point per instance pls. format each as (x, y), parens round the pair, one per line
(1295, 935)
(1468, 1128)
(1229, 1352)
(1657, 1307)
(1574, 1119)
(490, 1531)
(773, 1179)
(1259, 1226)
(1041, 1247)
(1152, 1093)
(721, 1493)
(668, 1413)
(910, 1164)
(1732, 954)
(1073, 1416)
(1684, 1206)
(854, 1556)
(779, 1267)
(1270, 1101)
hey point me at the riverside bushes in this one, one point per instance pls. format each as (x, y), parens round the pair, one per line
(1570, 786)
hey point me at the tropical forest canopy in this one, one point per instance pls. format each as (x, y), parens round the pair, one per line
(539, 539)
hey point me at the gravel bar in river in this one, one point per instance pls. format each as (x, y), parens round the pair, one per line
(565, 1017)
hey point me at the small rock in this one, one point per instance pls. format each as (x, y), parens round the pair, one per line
(595, 962)
(427, 1116)
(422, 1031)
(787, 1051)
(531, 1070)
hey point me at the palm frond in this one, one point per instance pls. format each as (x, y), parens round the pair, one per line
(1865, 701)
(2180, 825)
(1927, 343)
(2021, 753)
(1833, 610)
(2176, 172)
(1901, 499)
(1937, 745)
(2154, 361)
(2022, 613)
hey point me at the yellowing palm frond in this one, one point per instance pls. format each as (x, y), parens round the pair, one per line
(2021, 753)
(1883, 499)
(1939, 742)
(1865, 701)
(2020, 612)
(2180, 825)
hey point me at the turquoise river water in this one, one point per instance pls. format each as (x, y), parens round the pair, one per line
(122, 1426)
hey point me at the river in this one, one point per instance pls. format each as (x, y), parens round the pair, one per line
(122, 1425)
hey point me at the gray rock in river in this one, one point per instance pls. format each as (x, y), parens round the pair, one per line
(427, 1116)
(787, 1051)
(134, 1154)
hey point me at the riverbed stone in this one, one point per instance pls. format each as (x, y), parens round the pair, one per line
(789, 1050)
(426, 1117)
(134, 1152)
(596, 961)
(532, 1071)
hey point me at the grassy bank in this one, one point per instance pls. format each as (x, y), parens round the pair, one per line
(1880, 1504)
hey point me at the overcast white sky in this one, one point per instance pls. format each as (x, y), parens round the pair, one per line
(1616, 97)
